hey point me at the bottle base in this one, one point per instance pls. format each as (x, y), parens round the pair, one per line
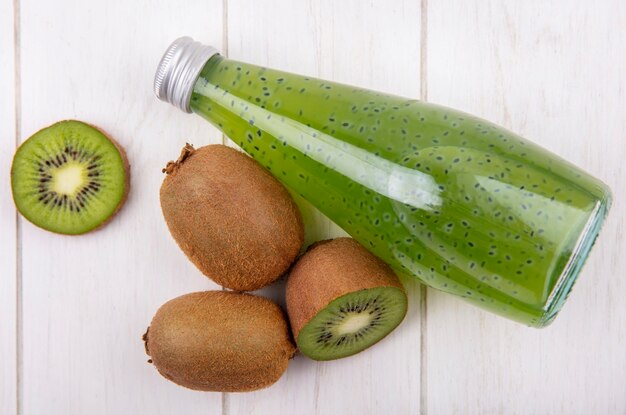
(576, 261)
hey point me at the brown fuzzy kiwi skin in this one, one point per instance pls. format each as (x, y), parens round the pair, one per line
(220, 341)
(231, 217)
(328, 270)
(125, 164)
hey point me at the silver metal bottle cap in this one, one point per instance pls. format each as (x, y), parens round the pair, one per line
(179, 69)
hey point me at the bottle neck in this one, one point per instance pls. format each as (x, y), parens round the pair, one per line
(178, 71)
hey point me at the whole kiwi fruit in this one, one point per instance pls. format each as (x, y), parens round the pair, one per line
(220, 341)
(341, 299)
(231, 217)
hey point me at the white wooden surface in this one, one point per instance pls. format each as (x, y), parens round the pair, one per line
(8, 230)
(556, 72)
(72, 309)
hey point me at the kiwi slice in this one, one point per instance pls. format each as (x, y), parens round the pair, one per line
(69, 178)
(341, 299)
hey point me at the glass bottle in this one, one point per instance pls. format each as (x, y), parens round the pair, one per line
(457, 202)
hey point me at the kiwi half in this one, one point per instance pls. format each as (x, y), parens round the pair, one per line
(220, 341)
(69, 178)
(341, 299)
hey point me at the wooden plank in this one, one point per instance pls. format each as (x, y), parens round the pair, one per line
(8, 246)
(88, 299)
(553, 74)
(374, 45)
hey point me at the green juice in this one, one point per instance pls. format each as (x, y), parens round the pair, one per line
(461, 204)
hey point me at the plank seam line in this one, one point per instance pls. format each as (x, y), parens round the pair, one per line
(224, 47)
(225, 403)
(423, 288)
(424, 50)
(19, 336)
(225, 397)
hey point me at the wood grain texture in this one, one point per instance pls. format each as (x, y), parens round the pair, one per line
(553, 72)
(8, 240)
(346, 42)
(88, 299)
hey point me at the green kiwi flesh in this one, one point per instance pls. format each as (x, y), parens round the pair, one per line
(352, 323)
(69, 178)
